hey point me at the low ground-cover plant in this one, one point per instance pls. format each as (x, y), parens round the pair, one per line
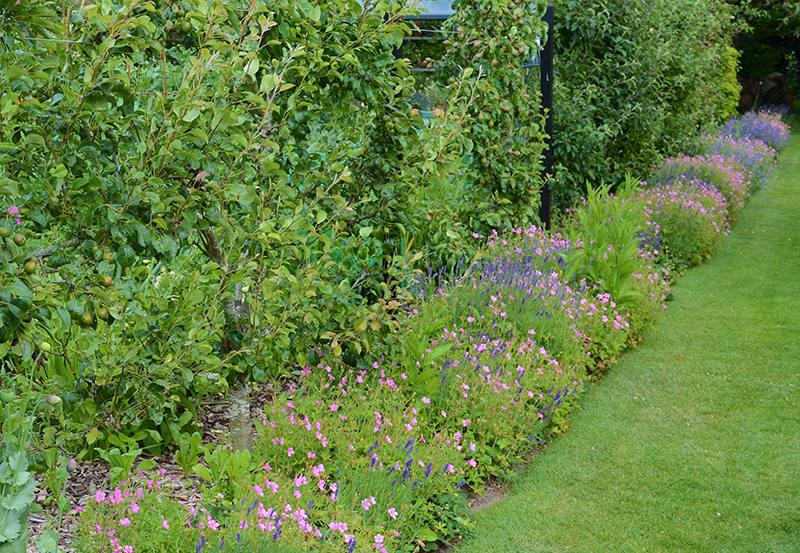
(689, 216)
(374, 457)
(727, 175)
(758, 158)
(763, 125)
(692, 201)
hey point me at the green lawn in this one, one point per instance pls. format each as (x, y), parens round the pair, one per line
(692, 442)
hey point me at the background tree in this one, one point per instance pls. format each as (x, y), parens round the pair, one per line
(769, 42)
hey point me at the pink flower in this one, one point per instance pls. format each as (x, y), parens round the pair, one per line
(128, 549)
(258, 490)
(213, 524)
(425, 400)
(13, 210)
(472, 463)
(134, 507)
(393, 513)
(334, 407)
(378, 539)
(125, 522)
(297, 494)
(165, 524)
(290, 452)
(100, 497)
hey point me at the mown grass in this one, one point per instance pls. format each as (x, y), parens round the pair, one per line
(692, 442)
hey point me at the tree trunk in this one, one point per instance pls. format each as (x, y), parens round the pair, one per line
(239, 413)
(239, 390)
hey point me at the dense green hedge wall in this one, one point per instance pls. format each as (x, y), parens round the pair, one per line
(634, 81)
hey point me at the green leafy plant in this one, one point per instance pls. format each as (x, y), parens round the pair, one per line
(16, 483)
(188, 453)
(205, 181)
(606, 245)
(225, 471)
(121, 464)
(422, 359)
(497, 40)
(55, 477)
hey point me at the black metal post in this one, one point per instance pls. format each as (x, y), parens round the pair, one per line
(547, 107)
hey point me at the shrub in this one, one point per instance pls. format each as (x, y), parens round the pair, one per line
(507, 135)
(267, 150)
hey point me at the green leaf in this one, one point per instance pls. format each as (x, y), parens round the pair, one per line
(22, 499)
(427, 535)
(63, 314)
(147, 464)
(306, 7)
(46, 543)
(192, 114)
(364, 232)
(59, 172)
(125, 256)
(34, 139)
(9, 187)
(13, 531)
(19, 289)
(203, 473)
(247, 196)
(91, 437)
